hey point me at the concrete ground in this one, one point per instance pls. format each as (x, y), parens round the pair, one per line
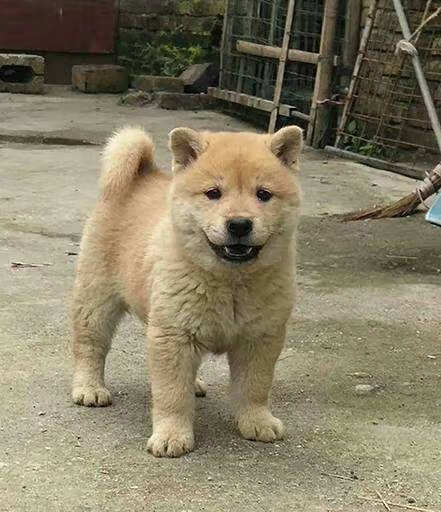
(368, 313)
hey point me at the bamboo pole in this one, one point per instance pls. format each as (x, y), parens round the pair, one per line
(323, 79)
(363, 45)
(425, 91)
(274, 52)
(281, 68)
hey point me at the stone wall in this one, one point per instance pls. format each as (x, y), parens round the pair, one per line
(178, 24)
(193, 16)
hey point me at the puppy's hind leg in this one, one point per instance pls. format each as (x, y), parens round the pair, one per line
(95, 318)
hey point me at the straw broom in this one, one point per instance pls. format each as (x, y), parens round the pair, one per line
(405, 206)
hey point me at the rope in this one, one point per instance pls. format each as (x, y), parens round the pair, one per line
(430, 185)
(404, 46)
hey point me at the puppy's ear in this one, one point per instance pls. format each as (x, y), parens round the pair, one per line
(286, 144)
(186, 146)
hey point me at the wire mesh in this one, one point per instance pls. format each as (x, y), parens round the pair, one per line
(263, 22)
(387, 117)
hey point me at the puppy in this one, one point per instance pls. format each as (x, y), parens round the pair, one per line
(205, 258)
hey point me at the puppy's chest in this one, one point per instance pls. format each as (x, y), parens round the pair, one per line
(217, 315)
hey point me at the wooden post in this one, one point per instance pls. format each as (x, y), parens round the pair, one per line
(363, 45)
(323, 78)
(223, 41)
(281, 68)
(352, 33)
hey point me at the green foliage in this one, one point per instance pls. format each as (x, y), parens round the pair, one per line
(164, 54)
(353, 142)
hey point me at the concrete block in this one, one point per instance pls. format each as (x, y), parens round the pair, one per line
(104, 78)
(179, 101)
(198, 77)
(151, 83)
(21, 73)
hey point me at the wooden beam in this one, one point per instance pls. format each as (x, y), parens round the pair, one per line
(273, 52)
(282, 63)
(255, 102)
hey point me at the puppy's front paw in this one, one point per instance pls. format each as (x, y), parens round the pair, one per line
(91, 396)
(169, 441)
(260, 425)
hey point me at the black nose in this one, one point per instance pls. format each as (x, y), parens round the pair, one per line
(239, 226)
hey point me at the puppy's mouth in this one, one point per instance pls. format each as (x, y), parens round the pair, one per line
(236, 253)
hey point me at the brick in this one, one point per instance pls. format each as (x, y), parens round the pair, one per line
(104, 78)
(21, 73)
(179, 101)
(198, 77)
(151, 83)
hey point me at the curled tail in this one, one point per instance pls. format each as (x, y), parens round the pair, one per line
(127, 154)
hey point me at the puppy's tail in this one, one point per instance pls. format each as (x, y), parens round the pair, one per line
(128, 153)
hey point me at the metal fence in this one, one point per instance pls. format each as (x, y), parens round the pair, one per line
(252, 23)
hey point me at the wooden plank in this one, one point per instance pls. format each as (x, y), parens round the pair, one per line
(273, 52)
(255, 102)
(68, 26)
(323, 79)
(282, 63)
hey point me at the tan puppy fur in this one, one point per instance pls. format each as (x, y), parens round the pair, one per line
(156, 246)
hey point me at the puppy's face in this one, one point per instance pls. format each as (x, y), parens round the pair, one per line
(235, 196)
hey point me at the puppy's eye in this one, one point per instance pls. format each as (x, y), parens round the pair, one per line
(213, 193)
(263, 195)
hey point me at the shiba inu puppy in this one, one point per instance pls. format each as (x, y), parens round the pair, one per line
(205, 258)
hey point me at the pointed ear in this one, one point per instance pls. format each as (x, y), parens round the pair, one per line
(186, 146)
(286, 144)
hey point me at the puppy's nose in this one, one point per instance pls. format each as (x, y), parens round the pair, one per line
(240, 226)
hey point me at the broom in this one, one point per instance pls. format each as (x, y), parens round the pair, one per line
(405, 206)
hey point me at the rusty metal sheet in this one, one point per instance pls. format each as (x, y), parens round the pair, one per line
(70, 26)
